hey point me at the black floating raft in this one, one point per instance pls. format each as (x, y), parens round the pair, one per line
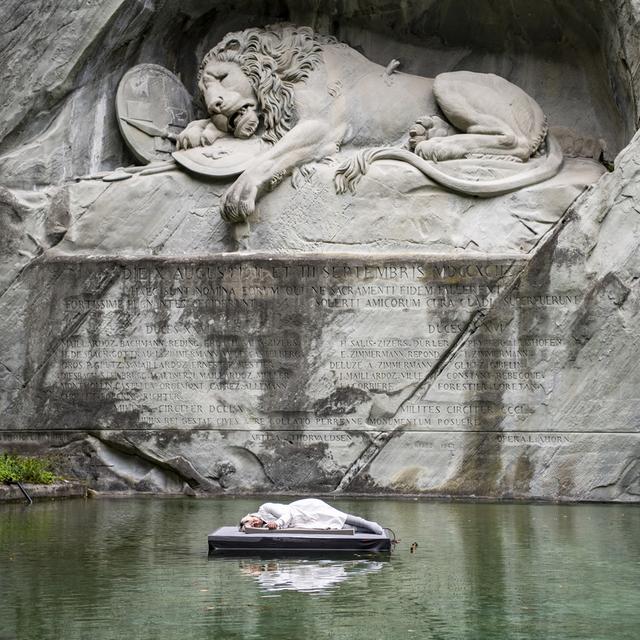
(232, 540)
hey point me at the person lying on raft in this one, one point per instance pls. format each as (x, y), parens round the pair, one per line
(309, 513)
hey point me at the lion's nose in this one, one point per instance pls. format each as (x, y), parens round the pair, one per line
(215, 105)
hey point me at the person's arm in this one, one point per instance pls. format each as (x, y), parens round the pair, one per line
(278, 513)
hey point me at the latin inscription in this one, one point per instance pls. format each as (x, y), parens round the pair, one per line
(232, 345)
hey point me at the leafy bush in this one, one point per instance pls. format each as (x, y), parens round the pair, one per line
(21, 469)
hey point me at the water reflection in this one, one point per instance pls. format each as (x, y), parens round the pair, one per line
(306, 575)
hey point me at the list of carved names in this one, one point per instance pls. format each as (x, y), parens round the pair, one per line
(226, 345)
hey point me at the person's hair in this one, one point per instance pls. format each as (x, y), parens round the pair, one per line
(249, 515)
(273, 59)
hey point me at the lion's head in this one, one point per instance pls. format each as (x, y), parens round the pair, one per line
(255, 71)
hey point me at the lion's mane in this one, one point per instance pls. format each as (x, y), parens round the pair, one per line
(274, 59)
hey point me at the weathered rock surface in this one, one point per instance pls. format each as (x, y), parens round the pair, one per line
(487, 349)
(395, 209)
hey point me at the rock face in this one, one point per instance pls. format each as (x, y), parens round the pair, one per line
(402, 339)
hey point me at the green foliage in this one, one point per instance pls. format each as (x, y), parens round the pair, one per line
(21, 469)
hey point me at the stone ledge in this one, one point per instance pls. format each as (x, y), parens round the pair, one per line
(12, 493)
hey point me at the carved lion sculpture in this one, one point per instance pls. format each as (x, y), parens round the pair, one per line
(307, 95)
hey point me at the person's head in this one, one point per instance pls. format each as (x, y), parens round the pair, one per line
(252, 520)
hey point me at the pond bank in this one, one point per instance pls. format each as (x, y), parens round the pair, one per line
(54, 491)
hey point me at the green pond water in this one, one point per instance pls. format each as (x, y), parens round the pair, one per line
(139, 568)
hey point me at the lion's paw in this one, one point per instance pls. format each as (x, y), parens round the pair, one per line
(426, 128)
(239, 201)
(198, 134)
(209, 135)
(190, 137)
(440, 149)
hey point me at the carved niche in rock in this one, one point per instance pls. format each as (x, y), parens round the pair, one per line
(294, 96)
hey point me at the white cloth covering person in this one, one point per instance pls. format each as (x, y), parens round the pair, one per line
(309, 513)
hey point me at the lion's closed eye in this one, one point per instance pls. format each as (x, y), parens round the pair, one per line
(209, 77)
